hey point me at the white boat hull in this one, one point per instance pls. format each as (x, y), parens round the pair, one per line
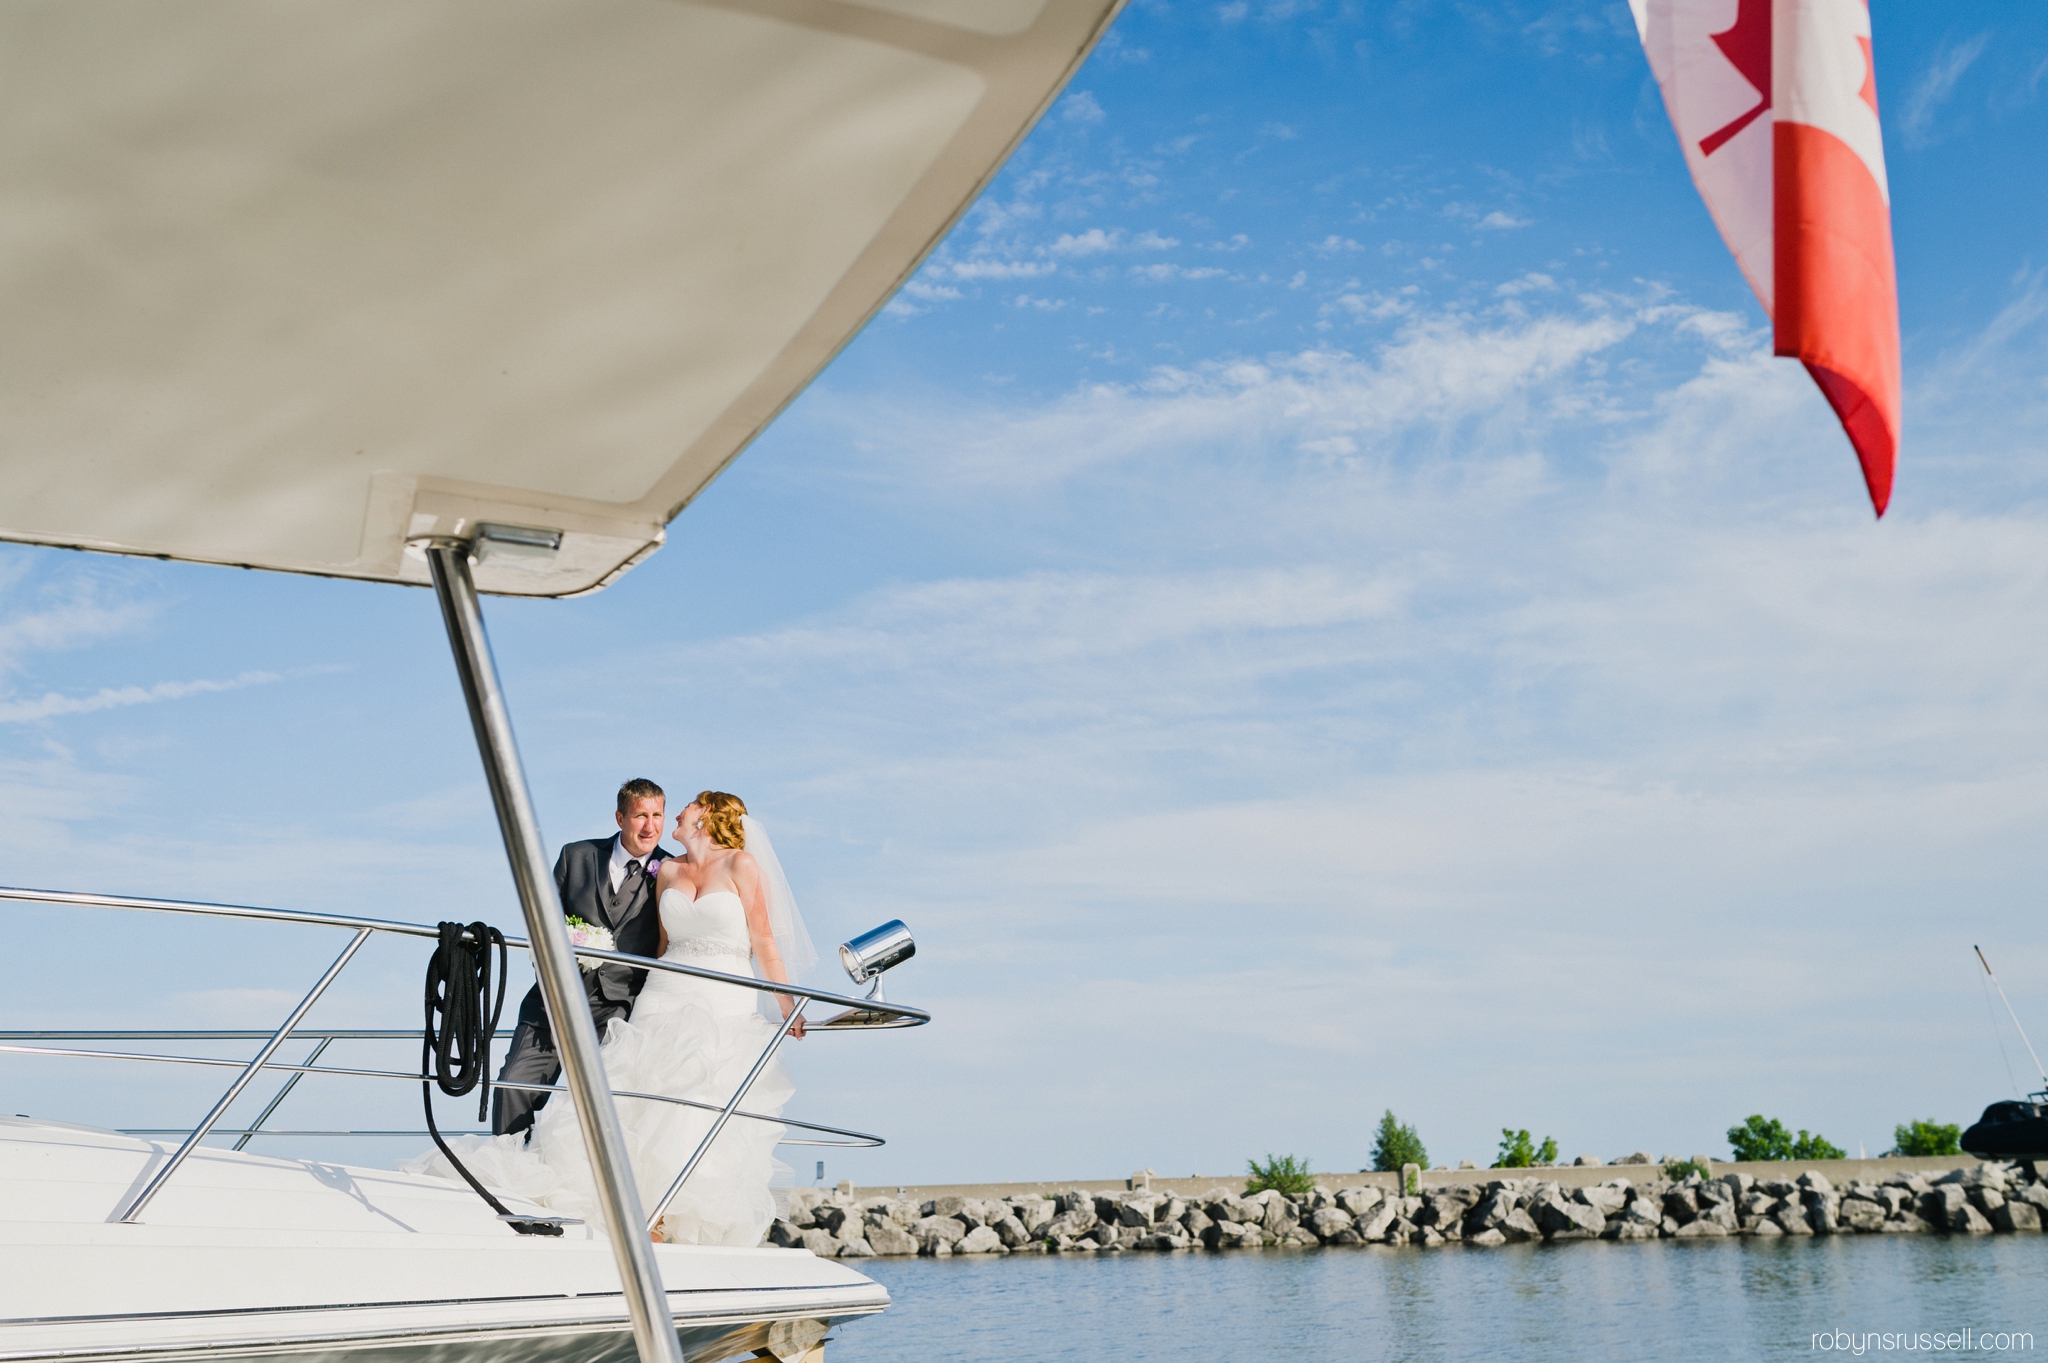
(247, 1256)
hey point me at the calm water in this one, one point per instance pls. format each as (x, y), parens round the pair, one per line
(1586, 1300)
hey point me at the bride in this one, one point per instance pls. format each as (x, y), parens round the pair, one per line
(724, 906)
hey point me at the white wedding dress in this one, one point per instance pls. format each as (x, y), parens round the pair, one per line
(687, 1038)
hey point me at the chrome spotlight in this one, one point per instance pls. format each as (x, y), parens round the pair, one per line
(875, 951)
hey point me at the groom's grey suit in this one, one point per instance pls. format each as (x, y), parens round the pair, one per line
(583, 875)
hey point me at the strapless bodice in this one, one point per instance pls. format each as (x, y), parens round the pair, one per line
(712, 924)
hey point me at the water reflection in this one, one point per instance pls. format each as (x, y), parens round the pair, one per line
(1587, 1300)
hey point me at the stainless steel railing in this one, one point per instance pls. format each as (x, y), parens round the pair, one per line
(859, 1015)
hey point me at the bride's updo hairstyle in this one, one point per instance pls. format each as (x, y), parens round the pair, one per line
(722, 814)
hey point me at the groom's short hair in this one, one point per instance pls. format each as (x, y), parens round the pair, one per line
(639, 788)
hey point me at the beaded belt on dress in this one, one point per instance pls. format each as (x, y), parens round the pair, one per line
(707, 946)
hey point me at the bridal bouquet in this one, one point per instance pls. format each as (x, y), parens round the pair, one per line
(582, 934)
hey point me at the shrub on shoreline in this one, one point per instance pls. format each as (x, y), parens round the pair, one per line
(1765, 1138)
(1927, 1137)
(1396, 1145)
(1517, 1151)
(1283, 1174)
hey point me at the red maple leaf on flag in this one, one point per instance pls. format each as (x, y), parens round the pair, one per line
(1747, 45)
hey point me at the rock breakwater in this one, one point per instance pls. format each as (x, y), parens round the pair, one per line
(1982, 1200)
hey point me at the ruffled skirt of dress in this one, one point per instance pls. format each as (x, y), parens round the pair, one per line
(684, 1040)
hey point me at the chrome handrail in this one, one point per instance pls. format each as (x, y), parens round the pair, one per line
(860, 1139)
(861, 1014)
(901, 1014)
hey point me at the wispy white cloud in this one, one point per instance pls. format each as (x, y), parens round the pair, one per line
(979, 268)
(1092, 242)
(1933, 86)
(52, 705)
(1161, 273)
(1081, 107)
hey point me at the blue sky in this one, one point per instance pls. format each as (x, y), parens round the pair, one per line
(1315, 600)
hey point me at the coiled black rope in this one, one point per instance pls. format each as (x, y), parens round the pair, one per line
(455, 1050)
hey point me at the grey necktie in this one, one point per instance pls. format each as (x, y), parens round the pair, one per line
(632, 869)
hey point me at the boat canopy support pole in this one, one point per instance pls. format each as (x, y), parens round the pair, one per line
(126, 1216)
(561, 982)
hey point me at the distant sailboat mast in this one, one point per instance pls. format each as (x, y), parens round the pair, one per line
(2014, 1016)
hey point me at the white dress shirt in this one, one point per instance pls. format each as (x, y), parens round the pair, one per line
(620, 856)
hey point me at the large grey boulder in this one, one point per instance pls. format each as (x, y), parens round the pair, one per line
(856, 1248)
(1701, 1227)
(890, 1238)
(1521, 1226)
(1327, 1222)
(980, 1240)
(1763, 1226)
(948, 1229)
(1560, 1216)
(1075, 1222)
(1638, 1157)
(1756, 1206)
(1034, 1212)
(1238, 1209)
(1604, 1198)
(1681, 1204)
(1587, 1160)
(945, 1206)
(786, 1234)
(2015, 1215)
(1136, 1209)
(1791, 1219)
(1621, 1228)
(1373, 1224)
(1644, 1211)
(1815, 1183)
(821, 1243)
(1359, 1201)
(1237, 1235)
(1941, 1203)
(1967, 1220)
(1197, 1222)
(1862, 1214)
(831, 1218)
(1011, 1232)
(1490, 1213)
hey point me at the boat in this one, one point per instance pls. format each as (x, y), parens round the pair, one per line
(473, 297)
(2017, 1128)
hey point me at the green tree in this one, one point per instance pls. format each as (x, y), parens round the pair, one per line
(1517, 1151)
(1927, 1138)
(1816, 1147)
(1283, 1174)
(1760, 1138)
(1679, 1170)
(1396, 1145)
(1765, 1138)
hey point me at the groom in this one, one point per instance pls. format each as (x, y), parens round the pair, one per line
(607, 882)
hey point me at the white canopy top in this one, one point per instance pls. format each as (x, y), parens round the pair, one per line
(288, 285)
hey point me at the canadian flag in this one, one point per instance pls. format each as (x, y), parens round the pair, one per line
(1775, 103)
